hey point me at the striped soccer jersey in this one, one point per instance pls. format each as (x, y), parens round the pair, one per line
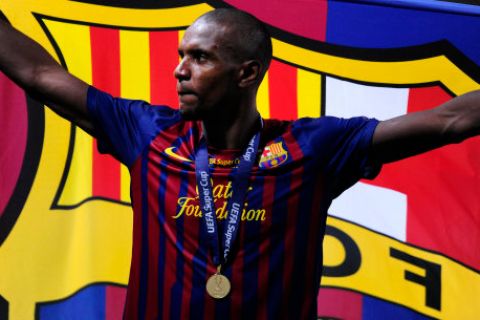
(276, 260)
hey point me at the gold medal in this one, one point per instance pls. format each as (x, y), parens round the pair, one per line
(218, 286)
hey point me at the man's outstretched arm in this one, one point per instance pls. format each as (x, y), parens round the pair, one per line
(32, 68)
(414, 133)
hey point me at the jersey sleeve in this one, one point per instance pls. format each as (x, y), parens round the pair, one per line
(342, 149)
(123, 127)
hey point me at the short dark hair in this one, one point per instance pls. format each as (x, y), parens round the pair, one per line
(252, 39)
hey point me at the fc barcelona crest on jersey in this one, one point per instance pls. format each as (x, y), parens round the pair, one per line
(273, 155)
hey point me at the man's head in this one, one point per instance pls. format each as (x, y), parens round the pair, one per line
(225, 54)
(248, 38)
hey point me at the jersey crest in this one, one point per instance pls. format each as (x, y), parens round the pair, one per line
(273, 155)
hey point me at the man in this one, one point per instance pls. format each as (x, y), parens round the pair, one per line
(249, 244)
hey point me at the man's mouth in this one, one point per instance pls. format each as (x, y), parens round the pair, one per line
(186, 94)
(182, 90)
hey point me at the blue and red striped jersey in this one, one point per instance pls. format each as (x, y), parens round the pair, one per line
(276, 260)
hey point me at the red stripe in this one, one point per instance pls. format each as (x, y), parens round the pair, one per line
(133, 293)
(282, 81)
(170, 276)
(115, 300)
(441, 212)
(339, 304)
(153, 236)
(105, 44)
(313, 248)
(275, 148)
(441, 187)
(14, 124)
(163, 60)
(264, 248)
(237, 277)
(311, 24)
(289, 241)
(190, 246)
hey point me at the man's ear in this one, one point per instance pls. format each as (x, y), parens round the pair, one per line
(249, 73)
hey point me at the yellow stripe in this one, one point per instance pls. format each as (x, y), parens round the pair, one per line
(180, 35)
(135, 81)
(427, 70)
(263, 102)
(135, 64)
(382, 273)
(74, 42)
(125, 184)
(308, 93)
(109, 15)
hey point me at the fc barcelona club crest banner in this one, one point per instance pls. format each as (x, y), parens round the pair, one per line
(403, 246)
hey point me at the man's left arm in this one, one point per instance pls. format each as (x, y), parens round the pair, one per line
(414, 133)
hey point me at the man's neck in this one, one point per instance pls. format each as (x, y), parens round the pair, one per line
(233, 134)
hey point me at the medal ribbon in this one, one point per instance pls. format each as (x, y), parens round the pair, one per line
(234, 206)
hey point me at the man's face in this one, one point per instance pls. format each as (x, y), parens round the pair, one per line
(206, 75)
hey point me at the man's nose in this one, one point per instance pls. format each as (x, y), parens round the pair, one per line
(182, 71)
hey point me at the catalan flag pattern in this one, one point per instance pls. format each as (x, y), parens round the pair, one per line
(140, 64)
(403, 246)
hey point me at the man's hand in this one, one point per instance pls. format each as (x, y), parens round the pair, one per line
(414, 133)
(32, 68)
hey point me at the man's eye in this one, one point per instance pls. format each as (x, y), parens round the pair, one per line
(200, 56)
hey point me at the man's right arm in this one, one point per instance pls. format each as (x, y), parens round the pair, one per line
(32, 68)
